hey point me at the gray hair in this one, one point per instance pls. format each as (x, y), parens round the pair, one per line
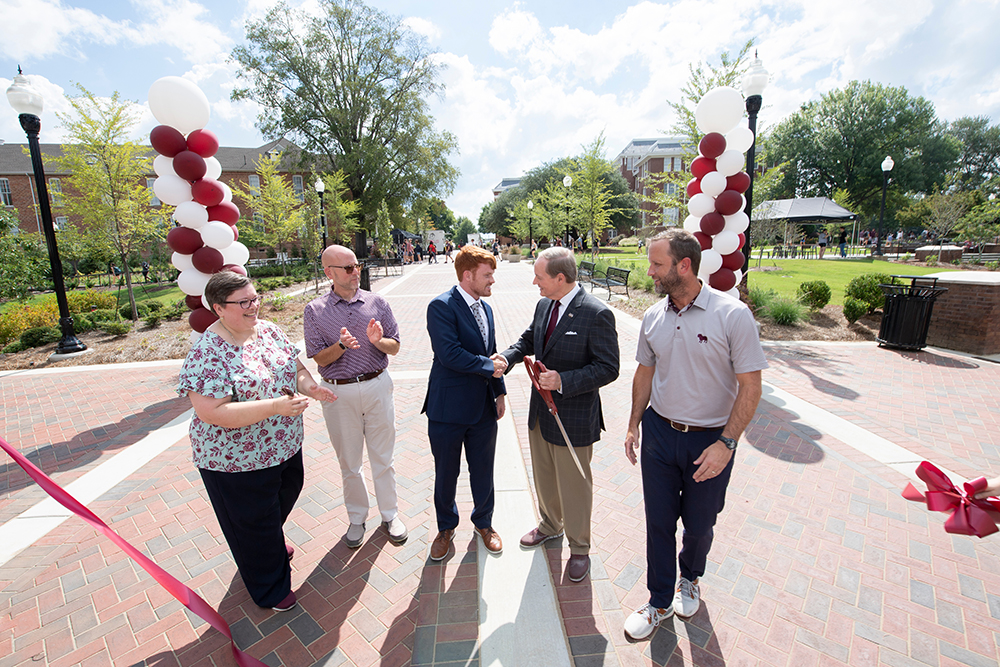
(682, 244)
(222, 285)
(559, 260)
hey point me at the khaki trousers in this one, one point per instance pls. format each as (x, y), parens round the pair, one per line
(565, 499)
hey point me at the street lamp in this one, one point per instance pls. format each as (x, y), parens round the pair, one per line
(567, 182)
(531, 205)
(27, 102)
(320, 187)
(754, 82)
(887, 165)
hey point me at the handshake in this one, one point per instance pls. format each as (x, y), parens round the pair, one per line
(499, 364)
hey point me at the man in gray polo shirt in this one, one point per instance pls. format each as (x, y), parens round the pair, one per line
(699, 373)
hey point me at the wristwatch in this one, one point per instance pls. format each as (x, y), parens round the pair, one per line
(730, 443)
(341, 344)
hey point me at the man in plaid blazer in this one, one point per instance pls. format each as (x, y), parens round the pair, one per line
(573, 336)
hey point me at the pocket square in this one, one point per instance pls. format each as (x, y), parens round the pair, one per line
(570, 333)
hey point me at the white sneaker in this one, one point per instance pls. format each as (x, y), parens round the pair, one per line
(641, 622)
(687, 599)
(355, 535)
(396, 529)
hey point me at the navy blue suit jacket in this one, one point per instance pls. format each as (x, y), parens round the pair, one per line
(461, 377)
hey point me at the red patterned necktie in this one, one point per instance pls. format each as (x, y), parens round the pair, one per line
(552, 322)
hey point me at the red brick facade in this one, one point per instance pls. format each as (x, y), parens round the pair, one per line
(967, 316)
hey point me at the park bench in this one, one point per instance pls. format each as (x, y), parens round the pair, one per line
(585, 272)
(613, 277)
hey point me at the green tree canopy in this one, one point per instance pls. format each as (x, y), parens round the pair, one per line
(22, 257)
(275, 210)
(979, 159)
(350, 85)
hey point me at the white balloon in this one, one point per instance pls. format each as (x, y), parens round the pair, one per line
(172, 189)
(181, 262)
(192, 281)
(204, 302)
(191, 214)
(737, 222)
(729, 163)
(713, 183)
(719, 110)
(725, 242)
(217, 235)
(740, 138)
(179, 103)
(163, 166)
(701, 204)
(711, 261)
(734, 291)
(739, 276)
(235, 253)
(692, 224)
(213, 168)
(227, 192)
(194, 336)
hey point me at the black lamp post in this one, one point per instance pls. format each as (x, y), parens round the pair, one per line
(28, 104)
(320, 187)
(754, 82)
(531, 205)
(887, 165)
(567, 182)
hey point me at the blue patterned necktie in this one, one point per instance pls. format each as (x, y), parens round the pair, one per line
(480, 320)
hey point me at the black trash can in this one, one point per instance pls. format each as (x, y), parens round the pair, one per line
(907, 312)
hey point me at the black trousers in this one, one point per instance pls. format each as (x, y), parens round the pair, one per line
(252, 508)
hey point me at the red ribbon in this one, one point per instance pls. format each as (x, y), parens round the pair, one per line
(969, 515)
(184, 595)
(533, 371)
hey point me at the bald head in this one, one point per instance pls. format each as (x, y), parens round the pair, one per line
(345, 280)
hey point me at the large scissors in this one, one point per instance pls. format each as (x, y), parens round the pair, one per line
(533, 372)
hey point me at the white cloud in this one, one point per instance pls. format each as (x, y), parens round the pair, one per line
(423, 27)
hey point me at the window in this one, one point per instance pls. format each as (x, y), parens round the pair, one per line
(61, 222)
(5, 192)
(258, 220)
(153, 199)
(255, 184)
(55, 187)
(297, 187)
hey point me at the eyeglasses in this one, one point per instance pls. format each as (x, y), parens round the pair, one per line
(350, 268)
(246, 304)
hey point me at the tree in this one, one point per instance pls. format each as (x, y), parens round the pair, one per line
(276, 211)
(382, 231)
(463, 229)
(979, 159)
(349, 85)
(840, 141)
(595, 201)
(24, 263)
(108, 176)
(341, 212)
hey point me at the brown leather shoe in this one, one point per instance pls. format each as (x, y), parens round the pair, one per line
(490, 540)
(442, 544)
(535, 537)
(577, 567)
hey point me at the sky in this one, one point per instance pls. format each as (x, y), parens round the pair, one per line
(526, 82)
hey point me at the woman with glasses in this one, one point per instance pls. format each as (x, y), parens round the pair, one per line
(244, 380)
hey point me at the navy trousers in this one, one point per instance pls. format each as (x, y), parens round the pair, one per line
(670, 493)
(480, 443)
(251, 508)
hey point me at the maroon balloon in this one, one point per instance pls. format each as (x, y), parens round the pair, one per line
(203, 142)
(743, 239)
(189, 165)
(184, 240)
(236, 233)
(236, 268)
(693, 187)
(701, 166)
(733, 261)
(226, 212)
(207, 192)
(704, 239)
(712, 145)
(193, 302)
(739, 182)
(165, 140)
(712, 223)
(201, 319)
(207, 260)
(729, 202)
(723, 280)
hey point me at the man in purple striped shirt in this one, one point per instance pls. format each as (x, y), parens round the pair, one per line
(350, 333)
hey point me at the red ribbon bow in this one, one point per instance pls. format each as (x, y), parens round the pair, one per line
(969, 516)
(535, 368)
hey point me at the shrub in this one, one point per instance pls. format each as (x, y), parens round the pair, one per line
(37, 336)
(175, 310)
(125, 310)
(631, 241)
(19, 317)
(992, 266)
(931, 260)
(14, 348)
(785, 311)
(116, 328)
(82, 323)
(814, 294)
(866, 288)
(84, 302)
(760, 297)
(152, 320)
(639, 280)
(906, 258)
(957, 262)
(155, 306)
(854, 309)
(278, 301)
(104, 315)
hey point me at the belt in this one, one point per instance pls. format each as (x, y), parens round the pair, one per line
(357, 378)
(684, 428)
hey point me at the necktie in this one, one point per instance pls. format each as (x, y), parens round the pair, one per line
(552, 322)
(480, 320)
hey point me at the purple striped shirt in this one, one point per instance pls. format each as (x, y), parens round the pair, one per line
(325, 316)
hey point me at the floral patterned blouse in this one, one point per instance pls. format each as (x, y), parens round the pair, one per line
(257, 370)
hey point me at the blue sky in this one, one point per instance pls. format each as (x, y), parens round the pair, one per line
(530, 81)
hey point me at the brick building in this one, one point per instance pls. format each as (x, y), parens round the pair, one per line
(643, 157)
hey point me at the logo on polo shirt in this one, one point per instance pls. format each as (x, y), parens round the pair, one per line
(702, 338)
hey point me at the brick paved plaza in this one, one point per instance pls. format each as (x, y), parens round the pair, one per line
(817, 560)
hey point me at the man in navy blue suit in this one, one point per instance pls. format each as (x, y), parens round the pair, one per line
(465, 397)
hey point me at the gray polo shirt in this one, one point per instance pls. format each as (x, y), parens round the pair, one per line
(697, 354)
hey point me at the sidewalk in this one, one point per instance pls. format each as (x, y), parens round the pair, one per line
(817, 559)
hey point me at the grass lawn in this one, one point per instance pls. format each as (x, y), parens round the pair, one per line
(167, 293)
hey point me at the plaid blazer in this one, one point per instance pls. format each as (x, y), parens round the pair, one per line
(584, 350)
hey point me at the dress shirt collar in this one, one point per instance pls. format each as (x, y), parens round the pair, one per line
(469, 299)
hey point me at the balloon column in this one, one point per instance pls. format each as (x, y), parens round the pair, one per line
(204, 239)
(715, 194)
